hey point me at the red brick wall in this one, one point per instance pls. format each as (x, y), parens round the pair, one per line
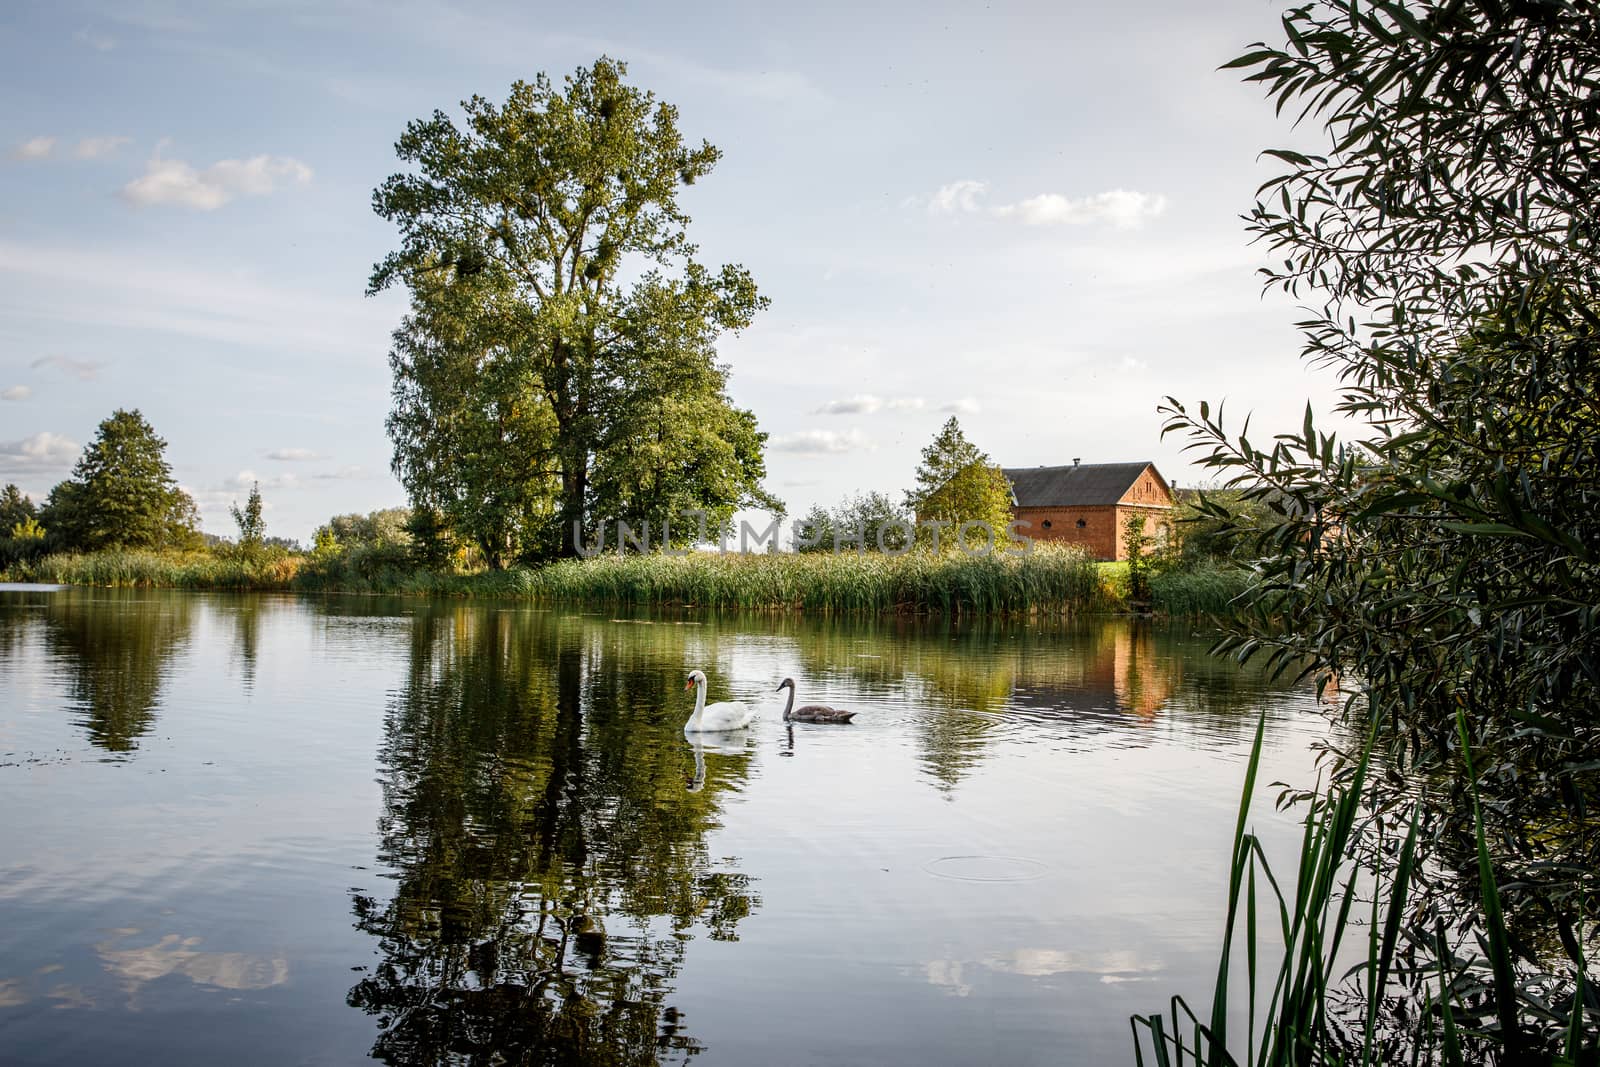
(1098, 533)
(1101, 532)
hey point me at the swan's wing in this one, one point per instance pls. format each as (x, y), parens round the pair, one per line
(727, 715)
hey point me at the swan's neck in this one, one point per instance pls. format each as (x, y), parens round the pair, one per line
(787, 708)
(699, 705)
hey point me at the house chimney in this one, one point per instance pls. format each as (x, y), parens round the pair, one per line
(1075, 461)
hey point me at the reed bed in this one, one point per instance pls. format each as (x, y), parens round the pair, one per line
(1205, 589)
(1049, 580)
(170, 570)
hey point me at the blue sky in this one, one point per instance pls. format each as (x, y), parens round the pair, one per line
(1025, 214)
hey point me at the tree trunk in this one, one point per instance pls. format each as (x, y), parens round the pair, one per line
(574, 488)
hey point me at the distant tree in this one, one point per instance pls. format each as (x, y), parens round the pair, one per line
(324, 544)
(958, 483)
(548, 261)
(252, 527)
(815, 531)
(875, 518)
(857, 521)
(385, 527)
(121, 493)
(14, 508)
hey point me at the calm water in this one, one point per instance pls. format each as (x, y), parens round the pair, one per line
(280, 831)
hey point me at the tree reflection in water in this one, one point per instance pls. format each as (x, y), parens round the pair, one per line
(550, 862)
(117, 649)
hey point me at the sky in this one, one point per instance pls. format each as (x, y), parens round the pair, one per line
(1023, 214)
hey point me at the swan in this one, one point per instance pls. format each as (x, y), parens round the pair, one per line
(714, 718)
(811, 712)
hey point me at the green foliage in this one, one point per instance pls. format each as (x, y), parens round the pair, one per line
(1445, 559)
(958, 483)
(432, 543)
(324, 545)
(559, 364)
(1135, 546)
(15, 508)
(1195, 590)
(861, 523)
(122, 494)
(252, 527)
(25, 541)
(28, 530)
(384, 527)
(1219, 525)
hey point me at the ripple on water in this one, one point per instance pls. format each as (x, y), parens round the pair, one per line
(986, 868)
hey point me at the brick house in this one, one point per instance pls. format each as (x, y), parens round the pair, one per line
(1089, 503)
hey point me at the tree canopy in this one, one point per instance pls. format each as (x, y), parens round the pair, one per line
(121, 493)
(957, 483)
(559, 364)
(15, 508)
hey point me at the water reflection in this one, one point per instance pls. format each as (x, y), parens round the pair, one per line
(550, 865)
(173, 954)
(115, 653)
(545, 856)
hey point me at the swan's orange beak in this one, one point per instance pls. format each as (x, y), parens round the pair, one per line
(689, 684)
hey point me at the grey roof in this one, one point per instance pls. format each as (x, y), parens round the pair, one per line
(1083, 484)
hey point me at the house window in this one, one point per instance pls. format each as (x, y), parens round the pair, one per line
(1081, 524)
(1047, 524)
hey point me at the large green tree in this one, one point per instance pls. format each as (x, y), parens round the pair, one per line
(548, 262)
(958, 483)
(121, 493)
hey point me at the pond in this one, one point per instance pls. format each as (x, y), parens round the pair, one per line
(262, 829)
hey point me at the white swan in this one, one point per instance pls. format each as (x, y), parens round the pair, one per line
(715, 718)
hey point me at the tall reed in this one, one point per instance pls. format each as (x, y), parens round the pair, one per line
(1472, 1009)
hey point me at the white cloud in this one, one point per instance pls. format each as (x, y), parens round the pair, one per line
(965, 406)
(341, 474)
(82, 369)
(860, 404)
(172, 181)
(1131, 364)
(36, 148)
(246, 479)
(16, 392)
(957, 196)
(293, 455)
(820, 441)
(44, 451)
(1121, 208)
(867, 404)
(95, 147)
